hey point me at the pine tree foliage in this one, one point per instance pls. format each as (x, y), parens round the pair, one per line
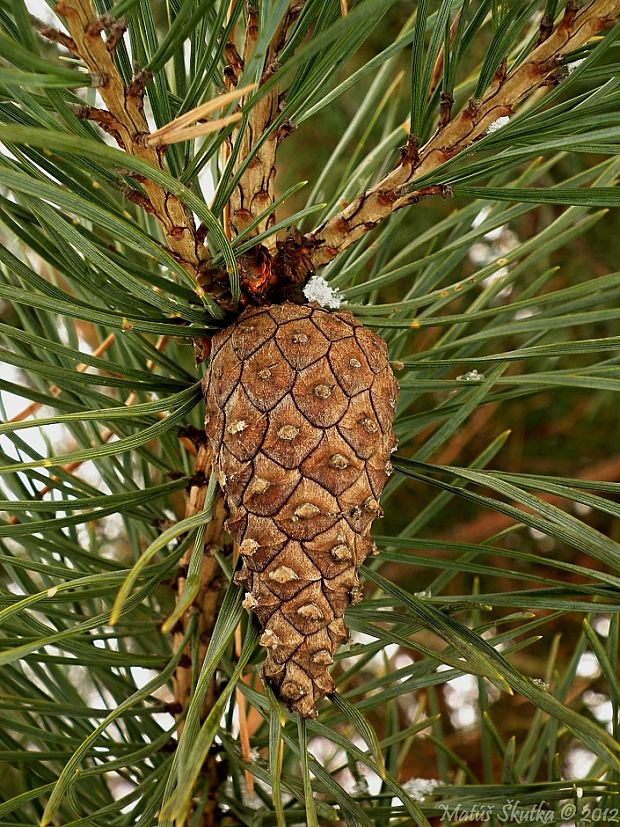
(150, 157)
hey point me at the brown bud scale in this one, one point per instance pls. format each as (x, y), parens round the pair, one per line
(300, 403)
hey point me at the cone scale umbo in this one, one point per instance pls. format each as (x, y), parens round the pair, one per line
(300, 403)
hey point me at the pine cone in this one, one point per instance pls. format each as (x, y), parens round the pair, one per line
(300, 403)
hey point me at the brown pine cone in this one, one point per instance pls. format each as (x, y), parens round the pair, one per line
(300, 403)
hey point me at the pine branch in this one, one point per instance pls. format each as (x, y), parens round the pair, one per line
(125, 120)
(205, 605)
(54, 35)
(125, 117)
(298, 257)
(490, 598)
(255, 191)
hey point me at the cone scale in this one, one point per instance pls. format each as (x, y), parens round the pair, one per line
(300, 403)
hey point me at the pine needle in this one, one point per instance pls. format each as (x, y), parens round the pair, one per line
(180, 130)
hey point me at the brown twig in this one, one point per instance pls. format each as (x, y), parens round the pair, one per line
(446, 102)
(397, 189)
(234, 67)
(205, 606)
(125, 107)
(54, 35)
(103, 119)
(206, 602)
(255, 191)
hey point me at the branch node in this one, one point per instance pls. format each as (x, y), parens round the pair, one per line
(500, 73)
(172, 707)
(255, 271)
(104, 119)
(473, 106)
(201, 233)
(285, 129)
(55, 35)
(235, 64)
(546, 27)
(137, 87)
(446, 102)
(570, 12)
(202, 350)
(99, 80)
(138, 198)
(95, 28)
(141, 139)
(269, 70)
(386, 197)
(409, 153)
(414, 195)
(252, 22)
(116, 31)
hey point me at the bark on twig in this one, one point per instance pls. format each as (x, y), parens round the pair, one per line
(397, 189)
(126, 115)
(255, 191)
(206, 601)
(205, 606)
(54, 35)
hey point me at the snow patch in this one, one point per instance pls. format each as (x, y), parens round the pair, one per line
(419, 788)
(318, 290)
(574, 65)
(498, 124)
